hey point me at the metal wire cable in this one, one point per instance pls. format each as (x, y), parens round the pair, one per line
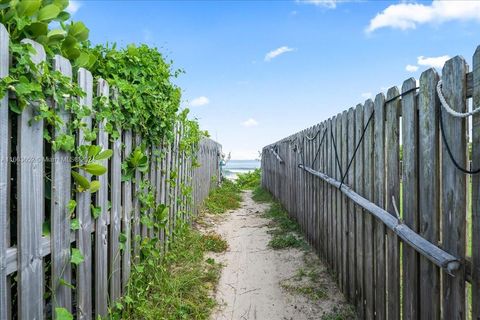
(444, 106)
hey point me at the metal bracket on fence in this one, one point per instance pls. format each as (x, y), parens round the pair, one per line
(276, 155)
(430, 251)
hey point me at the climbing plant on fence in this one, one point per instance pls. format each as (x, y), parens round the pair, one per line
(139, 162)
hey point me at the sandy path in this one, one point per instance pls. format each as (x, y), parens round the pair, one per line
(254, 278)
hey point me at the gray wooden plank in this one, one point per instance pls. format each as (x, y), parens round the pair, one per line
(334, 198)
(101, 228)
(127, 207)
(331, 195)
(410, 197)
(168, 192)
(454, 185)
(146, 175)
(379, 199)
(339, 198)
(437, 255)
(4, 179)
(152, 180)
(60, 215)
(392, 164)
(369, 232)
(358, 186)
(115, 256)
(30, 205)
(136, 233)
(83, 212)
(429, 190)
(476, 190)
(351, 221)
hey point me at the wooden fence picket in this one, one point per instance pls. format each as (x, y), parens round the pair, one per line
(349, 180)
(83, 211)
(101, 228)
(60, 199)
(4, 179)
(429, 190)
(114, 270)
(127, 207)
(30, 205)
(476, 189)
(392, 163)
(410, 196)
(379, 199)
(454, 184)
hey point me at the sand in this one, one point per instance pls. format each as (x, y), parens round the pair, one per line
(258, 282)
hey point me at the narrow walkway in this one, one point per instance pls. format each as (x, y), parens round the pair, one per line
(258, 282)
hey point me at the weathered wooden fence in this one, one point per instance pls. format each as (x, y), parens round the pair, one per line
(425, 265)
(36, 275)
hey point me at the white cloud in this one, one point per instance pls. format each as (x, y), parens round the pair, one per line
(330, 4)
(250, 123)
(275, 53)
(411, 68)
(73, 7)
(200, 101)
(408, 15)
(435, 62)
(366, 95)
(430, 62)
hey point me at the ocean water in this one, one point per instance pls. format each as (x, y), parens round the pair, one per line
(233, 167)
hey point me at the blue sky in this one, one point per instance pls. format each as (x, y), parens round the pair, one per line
(258, 71)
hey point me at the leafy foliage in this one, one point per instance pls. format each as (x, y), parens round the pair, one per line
(144, 100)
(249, 180)
(224, 198)
(214, 242)
(174, 285)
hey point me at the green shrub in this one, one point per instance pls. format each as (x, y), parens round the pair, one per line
(261, 195)
(175, 285)
(249, 180)
(285, 240)
(224, 198)
(214, 242)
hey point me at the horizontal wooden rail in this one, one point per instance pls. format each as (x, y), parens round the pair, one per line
(430, 251)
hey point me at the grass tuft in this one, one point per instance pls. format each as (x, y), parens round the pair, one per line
(214, 242)
(310, 291)
(261, 195)
(285, 240)
(226, 197)
(249, 180)
(344, 312)
(174, 285)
